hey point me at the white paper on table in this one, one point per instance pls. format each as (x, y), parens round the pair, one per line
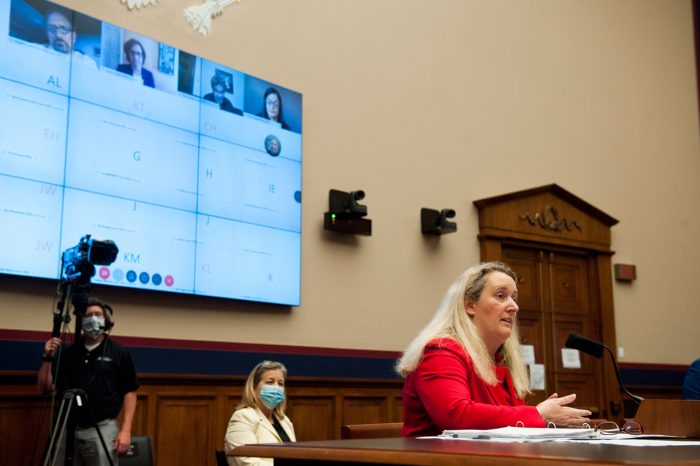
(645, 440)
(519, 433)
(536, 435)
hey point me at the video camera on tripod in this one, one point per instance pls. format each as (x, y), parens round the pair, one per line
(78, 263)
(77, 269)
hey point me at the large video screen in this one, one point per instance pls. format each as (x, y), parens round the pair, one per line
(192, 168)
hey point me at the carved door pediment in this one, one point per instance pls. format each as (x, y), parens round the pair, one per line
(547, 214)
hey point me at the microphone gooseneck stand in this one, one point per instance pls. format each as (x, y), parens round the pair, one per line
(595, 349)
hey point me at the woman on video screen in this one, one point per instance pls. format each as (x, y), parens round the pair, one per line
(136, 56)
(272, 107)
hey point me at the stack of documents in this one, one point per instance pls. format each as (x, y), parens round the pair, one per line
(520, 433)
(537, 435)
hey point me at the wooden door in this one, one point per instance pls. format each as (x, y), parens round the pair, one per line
(559, 245)
(554, 290)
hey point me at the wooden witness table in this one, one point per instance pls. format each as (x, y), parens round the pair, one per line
(438, 452)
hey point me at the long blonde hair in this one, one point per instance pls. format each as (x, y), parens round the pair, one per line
(451, 320)
(250, 398)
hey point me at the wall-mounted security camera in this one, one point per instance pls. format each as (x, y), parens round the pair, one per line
(345, 213)
(433, 222)
(340, 202)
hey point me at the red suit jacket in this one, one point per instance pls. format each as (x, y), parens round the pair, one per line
(445, 392)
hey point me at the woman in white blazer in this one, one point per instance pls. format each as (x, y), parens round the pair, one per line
(259, 417)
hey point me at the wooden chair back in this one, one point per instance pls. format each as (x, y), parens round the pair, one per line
(383, 430)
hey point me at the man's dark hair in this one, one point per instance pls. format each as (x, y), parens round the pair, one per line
(218, 80)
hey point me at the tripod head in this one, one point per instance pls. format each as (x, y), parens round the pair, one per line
(75, 393)
(77, 295)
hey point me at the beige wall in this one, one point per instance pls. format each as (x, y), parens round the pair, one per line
(436, 104)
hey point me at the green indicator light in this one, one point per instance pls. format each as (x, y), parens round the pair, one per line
(333, 216)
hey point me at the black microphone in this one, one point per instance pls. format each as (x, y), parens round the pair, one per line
(595, 348)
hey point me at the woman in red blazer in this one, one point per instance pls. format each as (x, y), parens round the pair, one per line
(465, 370)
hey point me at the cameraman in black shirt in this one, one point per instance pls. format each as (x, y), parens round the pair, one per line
(105, 371)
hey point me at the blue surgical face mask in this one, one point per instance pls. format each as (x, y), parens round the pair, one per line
(271, 396)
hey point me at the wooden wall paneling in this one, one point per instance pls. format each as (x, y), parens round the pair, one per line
(145, 414)
(314, 417)
(25, 422)
(397, 409)
(365, 409)
(187, 416)
(185, 429)
(230, 401)
(139, 425)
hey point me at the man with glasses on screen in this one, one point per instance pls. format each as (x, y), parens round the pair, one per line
(59, 32)
(61, 36)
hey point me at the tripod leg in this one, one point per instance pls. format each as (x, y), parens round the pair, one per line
(56, 450)
(60, 455)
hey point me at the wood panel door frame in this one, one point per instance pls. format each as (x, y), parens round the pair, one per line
(553, 219)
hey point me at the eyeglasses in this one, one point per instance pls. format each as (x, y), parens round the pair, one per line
(611, 428)
(63, 30)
